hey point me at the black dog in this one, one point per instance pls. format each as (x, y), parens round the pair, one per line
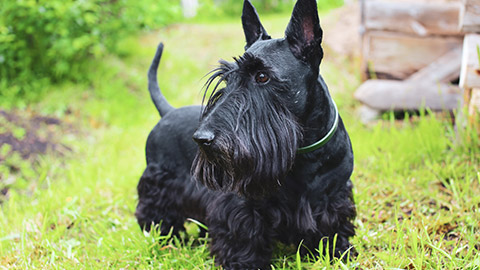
(272, 160)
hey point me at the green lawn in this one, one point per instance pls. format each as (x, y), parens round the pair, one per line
(417, 183)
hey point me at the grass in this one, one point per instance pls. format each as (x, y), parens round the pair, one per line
(417, 182)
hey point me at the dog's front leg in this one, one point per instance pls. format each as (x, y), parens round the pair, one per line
(241, 237)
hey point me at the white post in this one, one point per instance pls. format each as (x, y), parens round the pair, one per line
(189, 8)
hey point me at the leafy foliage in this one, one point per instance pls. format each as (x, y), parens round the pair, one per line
(54, 40)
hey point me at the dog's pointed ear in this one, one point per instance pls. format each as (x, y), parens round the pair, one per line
(252, 27)
(304, 34)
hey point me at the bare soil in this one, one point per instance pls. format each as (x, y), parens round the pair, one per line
(30, 134)
(24, 137)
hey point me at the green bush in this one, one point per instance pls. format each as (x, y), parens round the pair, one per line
(53, 40)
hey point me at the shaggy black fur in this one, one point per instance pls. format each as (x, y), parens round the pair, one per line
(250, 186)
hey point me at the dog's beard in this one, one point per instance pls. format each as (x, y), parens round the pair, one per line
(253, 151)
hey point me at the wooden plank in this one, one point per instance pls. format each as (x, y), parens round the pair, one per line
(470, 70)
(444, 70)
(474, 103)
(365, 49)
(401, 55)
(418, 18)
(474, 111)
(398, 95)
(470, 16)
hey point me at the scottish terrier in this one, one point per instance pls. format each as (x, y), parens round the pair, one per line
(270, 158)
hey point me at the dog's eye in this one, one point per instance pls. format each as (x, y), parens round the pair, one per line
(261, 77)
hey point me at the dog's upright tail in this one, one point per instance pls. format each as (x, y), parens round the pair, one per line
(158, 99)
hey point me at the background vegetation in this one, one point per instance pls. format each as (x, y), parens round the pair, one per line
(50, 41)
(416, 179)
(45, 42)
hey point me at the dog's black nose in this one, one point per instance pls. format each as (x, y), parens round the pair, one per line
(203, 137)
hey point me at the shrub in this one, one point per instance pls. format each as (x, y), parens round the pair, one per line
(53, 40)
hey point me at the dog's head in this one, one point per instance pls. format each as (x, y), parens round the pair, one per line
(250, 130)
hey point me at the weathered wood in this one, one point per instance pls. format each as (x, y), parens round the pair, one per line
(470, 16)
(418, 18)
(470, 70)
(474, 103)
(397, 95)
(400, 55)
(470, 80)
(444, 70)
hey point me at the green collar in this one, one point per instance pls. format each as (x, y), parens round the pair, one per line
(324, 140)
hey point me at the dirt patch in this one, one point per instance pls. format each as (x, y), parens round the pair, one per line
(24, 137)
(30, 135)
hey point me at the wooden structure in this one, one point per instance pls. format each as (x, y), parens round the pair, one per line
(470, 79)
(470, 16)
(412, 52)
